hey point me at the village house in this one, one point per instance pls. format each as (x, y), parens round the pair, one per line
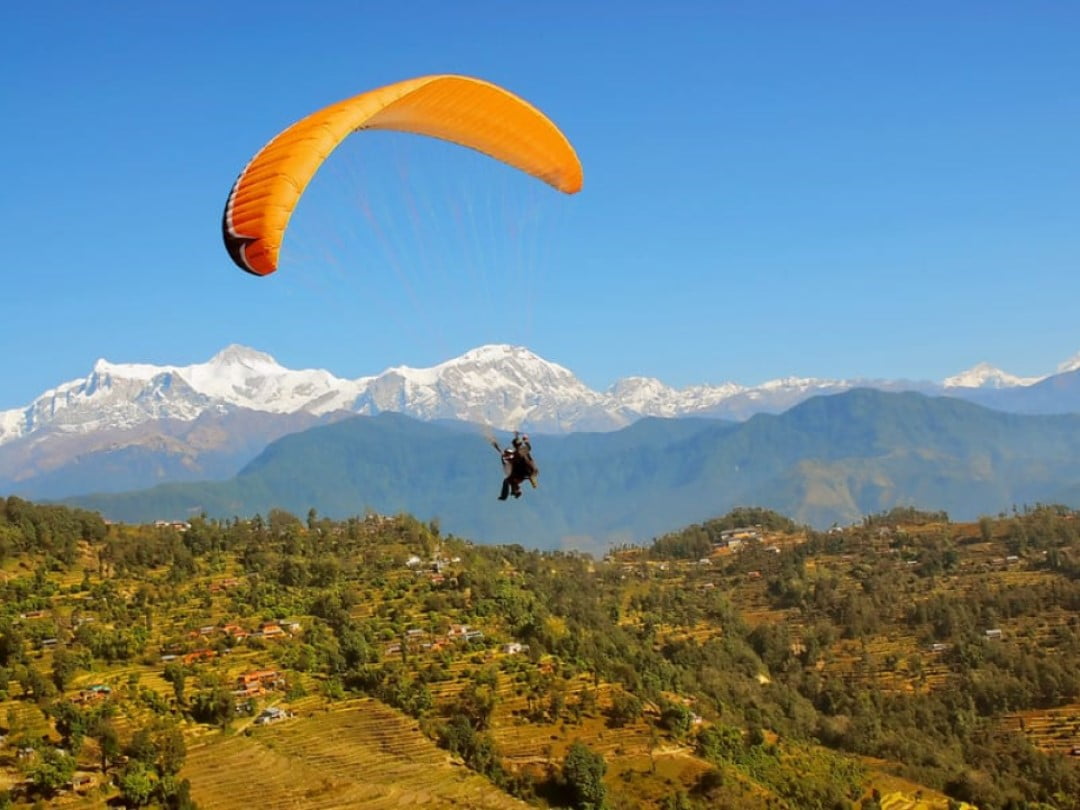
(257, 682)
(271, 714)
(235, 631)
(734, 538)
(199, 655)
(271, 630)
(993, 634)
(92, 694)
(514, 648)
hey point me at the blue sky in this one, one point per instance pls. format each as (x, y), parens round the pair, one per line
(771, 188)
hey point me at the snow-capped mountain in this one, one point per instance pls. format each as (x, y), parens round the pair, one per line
(1072, 364)
(124, 395)
(985, 375)
(502, 386)
(128, 422)
(647, 396)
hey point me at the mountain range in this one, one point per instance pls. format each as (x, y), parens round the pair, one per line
(831, 459)
(127, 425)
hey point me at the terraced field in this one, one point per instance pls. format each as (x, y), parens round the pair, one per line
(1050, 729)
(360, 754)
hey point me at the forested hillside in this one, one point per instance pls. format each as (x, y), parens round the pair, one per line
(746, 661)
(828, 460)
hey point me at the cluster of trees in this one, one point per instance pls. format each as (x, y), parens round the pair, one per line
(151, 759)
(696, 541)
(41, 529)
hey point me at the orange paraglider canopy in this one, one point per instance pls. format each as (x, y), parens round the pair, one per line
(465, 111)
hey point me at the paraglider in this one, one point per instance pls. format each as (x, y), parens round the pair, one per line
(518, 466)
(466, 111)
(459, 109)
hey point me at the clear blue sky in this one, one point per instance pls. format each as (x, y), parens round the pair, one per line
(771, 188)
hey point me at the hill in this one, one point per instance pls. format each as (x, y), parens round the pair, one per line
(828, 460)
(905, 663)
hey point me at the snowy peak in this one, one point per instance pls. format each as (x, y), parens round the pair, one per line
(985, 375)
(493, 364)
(103, 369)
(244, 357)
(496, 353)
(251, 379)
(640, 388)
(1072, 364)
(498, 385)
(648, 396)
(123, 395)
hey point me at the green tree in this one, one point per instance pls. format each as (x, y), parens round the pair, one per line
(64, 665)
(72, 723)
(720, 742)
(583, 772)
(171, 750)
(176, 675)
(214, 706)
(137, 784)
(51, 771)
(477, 702)
(108, 740)
(676, 718)
(625, 708)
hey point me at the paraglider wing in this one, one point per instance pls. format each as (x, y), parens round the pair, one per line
(465, 111)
